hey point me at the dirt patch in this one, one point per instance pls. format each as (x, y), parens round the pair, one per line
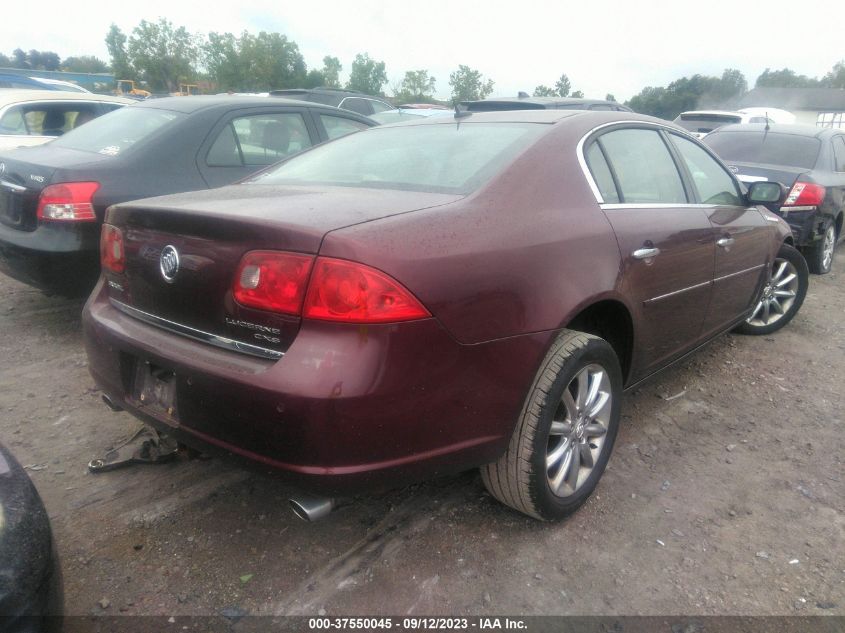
(725, 495)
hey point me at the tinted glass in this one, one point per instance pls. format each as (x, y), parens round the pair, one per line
(267, 138)
(54, 119)
(224, 152)
(601, 174)
(361, 106)
(644, 167)
(339, 126)
(770, 148)
(114, 133)
(704, 123)
(713, 183)
(839, 153)
(380, 106)
(13, 122)
(450, 158)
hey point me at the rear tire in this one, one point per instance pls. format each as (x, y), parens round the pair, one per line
(820, 256)
(565, 434)
(782, 294)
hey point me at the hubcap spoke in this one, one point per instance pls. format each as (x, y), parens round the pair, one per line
(785, 281)
(560, 428)
(574, 468)
(594, 430)
(586, 455)
(556, 455)
(784, 293)
(557, 482)
(756, 311)
(601, 402)
(583, 390)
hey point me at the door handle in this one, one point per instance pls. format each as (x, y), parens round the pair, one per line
(725, 242)
(646, 253)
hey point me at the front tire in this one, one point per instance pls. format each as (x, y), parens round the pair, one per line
(782, 295)
(565, 433)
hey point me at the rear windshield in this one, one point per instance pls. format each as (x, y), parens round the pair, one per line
(114, 133)
(704, 123)
(769, 148)
(448, 158)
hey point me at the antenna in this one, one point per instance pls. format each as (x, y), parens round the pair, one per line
(461, 114)
(767, 128)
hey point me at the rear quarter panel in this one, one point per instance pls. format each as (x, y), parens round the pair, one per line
(523, 254)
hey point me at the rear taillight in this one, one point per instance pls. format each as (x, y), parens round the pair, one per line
(805, 194)
(338, 290)
(272, 280)
(112, 255)
(68, 202)
(346, 291)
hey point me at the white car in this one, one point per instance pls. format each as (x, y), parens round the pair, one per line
(32, 117)
(702, 122)
(61, 85)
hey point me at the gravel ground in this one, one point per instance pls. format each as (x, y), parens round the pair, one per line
(725, 495)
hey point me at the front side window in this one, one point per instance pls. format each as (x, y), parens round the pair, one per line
(259, 140)
(644, 168)
(713, 183)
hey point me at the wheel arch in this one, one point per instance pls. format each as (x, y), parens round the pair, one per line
(611, 320)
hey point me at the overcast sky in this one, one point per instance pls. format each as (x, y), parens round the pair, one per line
(616, 46)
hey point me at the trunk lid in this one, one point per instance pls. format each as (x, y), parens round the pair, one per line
(212, 230)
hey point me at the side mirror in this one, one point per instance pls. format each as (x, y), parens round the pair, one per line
(766, 193)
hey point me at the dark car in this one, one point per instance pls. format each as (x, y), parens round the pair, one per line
(808, 160)
(53, 197)
(541, 103)
(432, 296)
(31, 597)
(346, 99)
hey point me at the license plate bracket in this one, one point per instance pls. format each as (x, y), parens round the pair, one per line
(155, 388)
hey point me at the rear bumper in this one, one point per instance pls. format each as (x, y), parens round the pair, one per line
(347, 408)
(807, 226)
(55, 257)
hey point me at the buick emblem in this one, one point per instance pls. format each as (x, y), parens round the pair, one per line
(168, 262)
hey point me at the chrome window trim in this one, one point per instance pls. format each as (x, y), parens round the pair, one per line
(579, 152)
(677, 292)
(658, 205)
(199, 335)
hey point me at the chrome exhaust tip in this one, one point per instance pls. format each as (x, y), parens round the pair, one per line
(310, 508)
(110, 403)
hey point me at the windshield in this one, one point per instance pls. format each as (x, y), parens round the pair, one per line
(704, 123)
(449, 158)
(114, 133)
(787, 150)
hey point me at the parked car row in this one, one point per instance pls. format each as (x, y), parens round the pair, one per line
(383, 304)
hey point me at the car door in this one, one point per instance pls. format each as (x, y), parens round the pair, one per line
(666, 241)
(244, 141)
(741, 234)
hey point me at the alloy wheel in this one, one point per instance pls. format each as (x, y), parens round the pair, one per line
(578, 430)
(827, 247)
(778, 294)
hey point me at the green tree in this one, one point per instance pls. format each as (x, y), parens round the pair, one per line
(314, 79)
(469, 85)
(19, 59)
(562, 86)
(163, 55)
(691, 93)
(784, 78)
(331, 71)
(544, 91)
(4, 61)
(271, 61)
(85, 64)
(836, 77)
(367, 75)
(222, 59)
(116, 45)
(610, 97)
(578, 94)
(416, 87)
(43, 60)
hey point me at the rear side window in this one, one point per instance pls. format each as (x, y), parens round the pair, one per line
(355, 104)
(339, 126)
(769, 148)
(644, 167)
(259, 140)
(47, 119)
(601, 174)
(380, 106)
(713, 183)
(13, 121)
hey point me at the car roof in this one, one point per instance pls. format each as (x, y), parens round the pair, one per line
(809, 131)
(194, 103)
(589, 117)
(545, 102)
(22, 96)
(712, 113)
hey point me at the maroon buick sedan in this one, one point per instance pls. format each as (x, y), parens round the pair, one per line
(437, 295)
